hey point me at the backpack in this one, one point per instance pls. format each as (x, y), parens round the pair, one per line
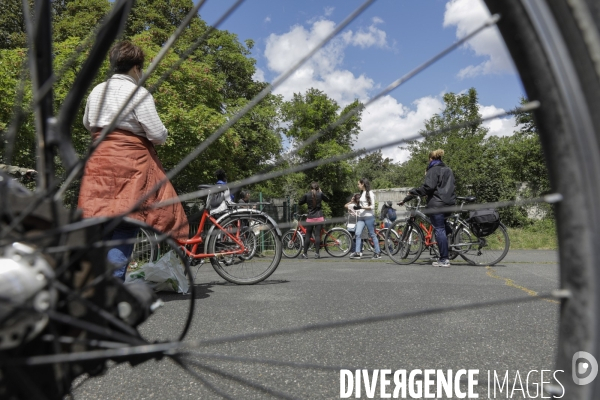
(391, 214)
(217, 196)
(484, 222)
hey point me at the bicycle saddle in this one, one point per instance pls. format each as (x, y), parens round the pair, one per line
(468, 199)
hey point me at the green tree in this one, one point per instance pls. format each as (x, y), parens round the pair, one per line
(77, 18)
(462, 145)
(382, 172)
(314, 112)
(12, 24)
(491, 168)
(526, 156)
(207, 89)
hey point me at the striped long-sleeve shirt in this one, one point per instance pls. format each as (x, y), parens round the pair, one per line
(140, 116)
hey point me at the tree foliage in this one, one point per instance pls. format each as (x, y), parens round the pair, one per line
(314, 112)
(382, 172)
(194, 100)
(489, 167)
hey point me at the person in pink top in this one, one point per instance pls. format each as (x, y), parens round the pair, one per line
(314, 221)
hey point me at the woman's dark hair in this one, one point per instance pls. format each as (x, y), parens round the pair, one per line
(221, 175)
(124, 56)
(314, 188)
(355, 198)
(367, 186)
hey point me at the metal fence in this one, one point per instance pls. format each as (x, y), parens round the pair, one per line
(279, 209)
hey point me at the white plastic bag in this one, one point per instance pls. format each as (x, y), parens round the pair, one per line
(166, 274)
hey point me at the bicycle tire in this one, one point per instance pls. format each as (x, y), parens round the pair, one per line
(262, 257)
(366, 240)
(484, 251)
(292, 245)
(530, 36)
(394, 239)
(553, 45)
(337, 242)
(145, 249)
(410, 244)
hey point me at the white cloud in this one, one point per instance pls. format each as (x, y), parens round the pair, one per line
(498, 126)
(468, 15)
(386, 120)
(383, 121)
(323, 70)
(259, 75)
(328, 11)
(373, 36)
(268, 19)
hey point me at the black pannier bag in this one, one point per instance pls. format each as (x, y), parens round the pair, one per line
(484, 222)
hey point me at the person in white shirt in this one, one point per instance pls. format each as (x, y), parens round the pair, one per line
(125, 167)
(366, 217)
(352, 220)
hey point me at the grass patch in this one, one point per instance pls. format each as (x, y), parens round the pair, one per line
(541, 235)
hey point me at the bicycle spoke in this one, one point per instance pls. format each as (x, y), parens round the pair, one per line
(67, 255)
(242, 381)
(278, 363)
(201, 378)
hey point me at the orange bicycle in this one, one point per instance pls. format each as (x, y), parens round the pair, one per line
(335, 241)
(243, 243)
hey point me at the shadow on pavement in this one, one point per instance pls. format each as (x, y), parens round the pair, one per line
(267, 282)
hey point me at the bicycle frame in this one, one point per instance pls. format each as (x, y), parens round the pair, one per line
(428, 231)
(197, 240)
(302, 229)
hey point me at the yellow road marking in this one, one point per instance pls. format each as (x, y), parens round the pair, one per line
(509, 282)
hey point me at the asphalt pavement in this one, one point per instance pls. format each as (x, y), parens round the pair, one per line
(312, 318)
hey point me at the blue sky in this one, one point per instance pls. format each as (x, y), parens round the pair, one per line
(385, 42)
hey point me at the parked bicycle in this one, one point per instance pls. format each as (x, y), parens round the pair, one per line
(243, 244)
(476, 246)
(335, 241)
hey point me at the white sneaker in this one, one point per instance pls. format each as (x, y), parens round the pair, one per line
(442, 263)
(356, 256)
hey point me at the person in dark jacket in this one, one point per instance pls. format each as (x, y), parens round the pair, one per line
(315, 218)
(439, 189)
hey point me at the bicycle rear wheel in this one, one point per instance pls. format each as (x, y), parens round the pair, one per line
(488, 250)
(292, 244)
(145, 249)
(259, 257)
(383, 244)
(409, 245)
(337, 242)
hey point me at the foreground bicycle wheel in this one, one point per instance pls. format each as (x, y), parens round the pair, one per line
(261, 255)
(555, 46)
(337, 242)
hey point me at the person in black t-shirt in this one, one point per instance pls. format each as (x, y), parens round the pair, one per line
(315, 219)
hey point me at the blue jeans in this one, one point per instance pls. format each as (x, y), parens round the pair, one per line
(370, 223)
(353, 244)
(119, 256)
(441, 229)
